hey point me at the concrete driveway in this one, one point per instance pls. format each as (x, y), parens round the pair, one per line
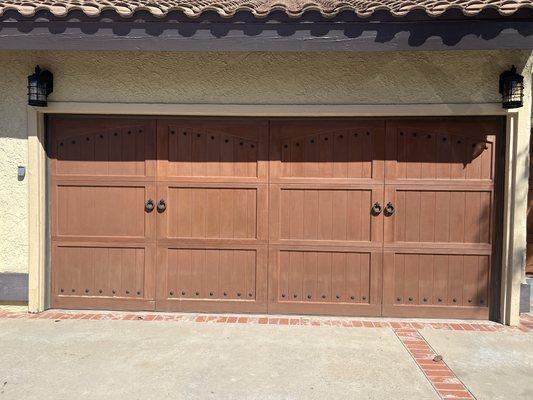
(493, 365)
(119, 359)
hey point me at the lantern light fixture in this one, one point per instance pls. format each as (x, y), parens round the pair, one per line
(40, 85)
(512, 89)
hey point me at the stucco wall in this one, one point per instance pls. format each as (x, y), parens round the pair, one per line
(261, 78)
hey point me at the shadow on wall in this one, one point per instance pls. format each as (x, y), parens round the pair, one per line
(417, 25)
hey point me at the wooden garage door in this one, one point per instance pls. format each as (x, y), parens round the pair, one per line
(325, 243)
(103, 240)
(212, 238)
(439, 228)
(389, 217)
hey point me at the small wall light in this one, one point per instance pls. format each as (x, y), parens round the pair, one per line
(21, 172)
(512, 88)
(40, 85)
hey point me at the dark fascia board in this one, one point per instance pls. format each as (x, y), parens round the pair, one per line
(277, 32)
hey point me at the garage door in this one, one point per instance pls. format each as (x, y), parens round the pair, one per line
(340, 217)
(103, 241)
(212, 238)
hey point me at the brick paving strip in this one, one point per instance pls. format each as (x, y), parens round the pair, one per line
(526, 322)
(443, 379)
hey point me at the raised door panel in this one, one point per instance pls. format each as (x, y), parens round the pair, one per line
(212, 150)
(102, 149)
(102, 276)
(438, 234)
(212, 237)
(103, 238)
(325, 243)
(213, 212)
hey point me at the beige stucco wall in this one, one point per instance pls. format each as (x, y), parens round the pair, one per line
(260, 78)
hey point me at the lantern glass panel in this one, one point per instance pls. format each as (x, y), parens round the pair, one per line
(511, 89)
(39, 87)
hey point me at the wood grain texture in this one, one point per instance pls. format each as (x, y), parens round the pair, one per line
(275, 216)
(325, 244)
(438, 243)
(212, 239)
(103, 241)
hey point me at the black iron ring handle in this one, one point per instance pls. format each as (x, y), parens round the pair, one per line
(389, 209)
(149, 205)
(161, 206)
(376, 208)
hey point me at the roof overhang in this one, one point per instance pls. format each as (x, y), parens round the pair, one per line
(277, 31)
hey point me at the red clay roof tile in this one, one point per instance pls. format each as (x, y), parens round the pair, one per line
(261, 8)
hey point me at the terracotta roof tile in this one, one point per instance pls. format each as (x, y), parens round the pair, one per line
(261, 8)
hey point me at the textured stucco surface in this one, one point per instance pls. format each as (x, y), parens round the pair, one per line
(243, 78)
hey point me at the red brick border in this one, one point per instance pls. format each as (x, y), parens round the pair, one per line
(525, 326)
(443, 379)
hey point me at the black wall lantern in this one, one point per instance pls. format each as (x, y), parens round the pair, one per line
(512, 88)
(40, 85)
